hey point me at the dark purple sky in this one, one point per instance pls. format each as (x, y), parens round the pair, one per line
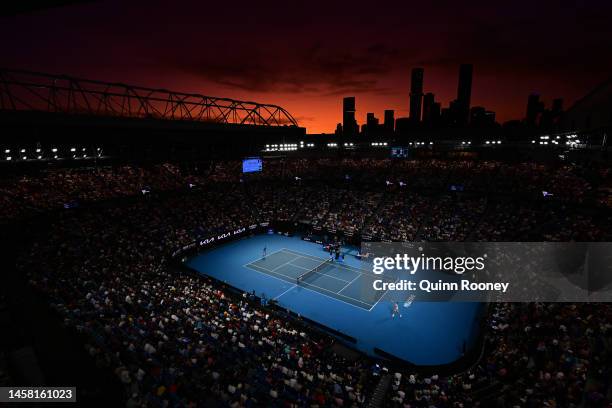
(307, 55)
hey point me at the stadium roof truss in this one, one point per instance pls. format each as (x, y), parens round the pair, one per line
(33, 91)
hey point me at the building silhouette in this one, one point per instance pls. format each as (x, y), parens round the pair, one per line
(464, 94)
(428, 106)
(389, 121)
(416, 94)
(338, 131)
(403, 125)
(534, 108)
(349, 124)
(481, 118)
(371, 123)
(436, 112)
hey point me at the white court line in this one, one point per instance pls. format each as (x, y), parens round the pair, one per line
(348, 284)
(348, 267)
(339, 265)
(333, 277)
(301, 267)
(383, 295)
(336, 293)
(267, 255)
(281, 265)
(294, 265)
(320, 273)
(268, 271)
(276, 298)
(379, 299)
(300, 255)
(314, 291)
(292, 277)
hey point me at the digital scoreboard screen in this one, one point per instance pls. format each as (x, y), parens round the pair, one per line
(399, 152)
(252, 165)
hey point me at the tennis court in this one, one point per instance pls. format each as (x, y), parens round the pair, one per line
(333, 279)
(341, 297)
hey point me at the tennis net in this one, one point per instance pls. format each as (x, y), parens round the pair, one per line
(313, 271)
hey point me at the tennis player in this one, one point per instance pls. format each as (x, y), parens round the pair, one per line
(396, 311)
(265, 251)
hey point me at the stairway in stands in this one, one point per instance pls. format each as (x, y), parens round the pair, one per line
(380, 393)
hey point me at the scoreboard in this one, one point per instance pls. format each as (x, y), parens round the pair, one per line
(252, 165)
(399, 152)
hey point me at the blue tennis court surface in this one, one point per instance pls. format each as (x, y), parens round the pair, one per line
(337, 280)
(340, 296)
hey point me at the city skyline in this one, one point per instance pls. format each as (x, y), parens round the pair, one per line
(307, 57)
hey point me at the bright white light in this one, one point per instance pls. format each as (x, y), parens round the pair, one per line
(9, 158)
(7, 151)
(22, 150)
(37, 150)
(73, 149)
(54, 150)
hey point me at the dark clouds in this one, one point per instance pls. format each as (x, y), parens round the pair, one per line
(312, 53)
(313, 69)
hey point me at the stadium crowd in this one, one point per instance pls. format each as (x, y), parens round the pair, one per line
(176, 339)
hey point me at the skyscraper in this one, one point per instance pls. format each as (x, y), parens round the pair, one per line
(416, 94)
(371, 123)
(464, 94)
(428, 102)
(389, 123)
(534, 106)
(349, 124)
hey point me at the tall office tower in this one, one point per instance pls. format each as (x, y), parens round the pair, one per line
(428, 102)
(389, 123)
(371, 123)
(464, 93)
(416, 94)
(533, 109)
(349, 124)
